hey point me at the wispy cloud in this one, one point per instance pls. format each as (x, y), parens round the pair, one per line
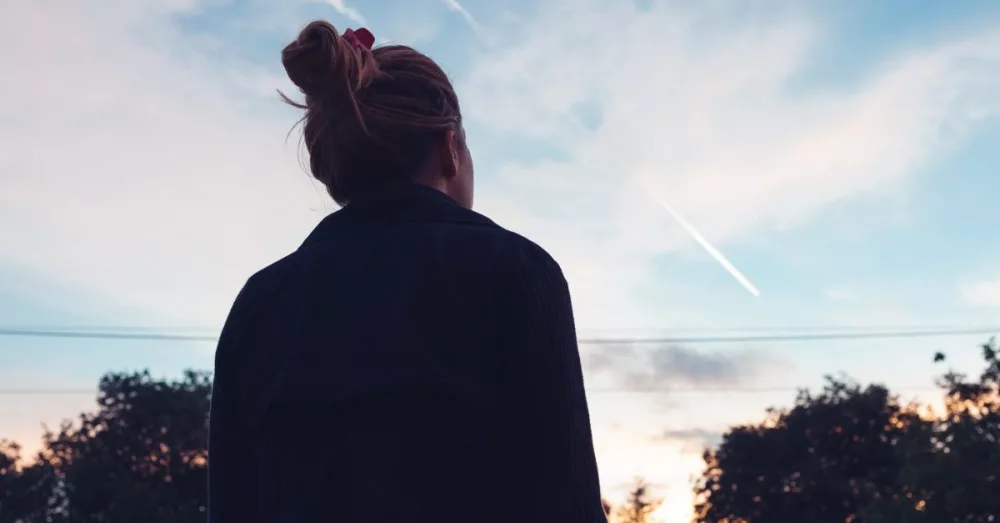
(169, 191)
(675, 366)
(466, 15)
(694, 440)
(985, 293)
(351, 13)
(724, 119)
(172, 173)
(840, 294)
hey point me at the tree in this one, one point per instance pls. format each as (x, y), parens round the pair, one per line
(857, 454)
(823, 460)
(639, 506)
(141, 457)
(952, 471)
(26, 491)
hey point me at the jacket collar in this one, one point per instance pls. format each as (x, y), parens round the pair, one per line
(403, 202)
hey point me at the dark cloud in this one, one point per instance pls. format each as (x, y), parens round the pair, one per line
(652, 372)
(599, 360)
(672, 366)
(678, 364)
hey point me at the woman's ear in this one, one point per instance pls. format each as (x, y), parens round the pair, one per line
(450, 155)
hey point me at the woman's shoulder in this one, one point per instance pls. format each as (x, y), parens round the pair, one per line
(525, 258)
(263, 282)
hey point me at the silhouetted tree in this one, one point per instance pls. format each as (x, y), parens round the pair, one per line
(856, 454)
(952, 466)
(823, 460)
(26, 490)
(639, 506)
(141, 457)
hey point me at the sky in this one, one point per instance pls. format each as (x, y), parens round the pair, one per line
(842, 155)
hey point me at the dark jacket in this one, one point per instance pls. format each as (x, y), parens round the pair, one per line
(411, 362)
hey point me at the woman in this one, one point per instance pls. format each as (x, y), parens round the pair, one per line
(412, 361)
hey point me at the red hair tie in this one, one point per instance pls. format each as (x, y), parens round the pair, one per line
(362, 39)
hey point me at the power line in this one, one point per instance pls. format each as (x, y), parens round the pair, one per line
(732, 390)
(790, 337)
(598, 390)
(114, 328)
(106, 335)
(207, 330)
(46, 392)
(794, 328)
(914, 333)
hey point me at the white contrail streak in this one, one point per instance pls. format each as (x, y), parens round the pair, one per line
(353, 14)
(707, 246)
(461, 10)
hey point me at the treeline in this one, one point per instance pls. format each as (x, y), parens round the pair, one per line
(857, 454)
(848, 453)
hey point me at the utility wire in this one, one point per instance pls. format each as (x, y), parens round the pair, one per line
(789, 337)
(205, 330)
(53, 333)
(106, 335)
(915, 333)
(597, 390)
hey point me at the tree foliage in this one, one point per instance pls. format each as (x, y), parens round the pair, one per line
(25, 490)
(855, 453)
(140, 457)
(639, 506)
(952, 465)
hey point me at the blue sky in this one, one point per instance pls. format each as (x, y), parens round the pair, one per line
(841, 154)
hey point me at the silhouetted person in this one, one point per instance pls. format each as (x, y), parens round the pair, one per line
(412, 361)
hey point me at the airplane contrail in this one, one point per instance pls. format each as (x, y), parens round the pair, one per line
(460, 9)
(712, 251)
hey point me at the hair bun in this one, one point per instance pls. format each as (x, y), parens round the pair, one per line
(320, 63)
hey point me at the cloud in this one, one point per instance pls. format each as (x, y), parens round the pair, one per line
(466, 15)
(353, 14)
(676, 364)
(840, 294)
(718, 108)
(141, 165)
(132, 167)
(694, 440)
(596, 361)
(673, 366)
(985, 293)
